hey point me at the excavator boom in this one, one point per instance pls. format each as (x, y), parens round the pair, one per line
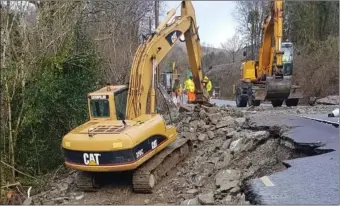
(151, 53)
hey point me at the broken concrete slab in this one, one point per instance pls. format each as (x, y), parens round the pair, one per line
(206, 199)
(210, 134)
(226, 176)
(329, 100)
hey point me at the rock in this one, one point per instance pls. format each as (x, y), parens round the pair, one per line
(226, 144)
(206, 199)
(213, 160)
(227, 200)
(202, 137)
(225, 176)
(202, 114)
(54, 193)
(329, 100)
(194, 124)
(240, 121)
(79, 197)
(201, 124)
(190, 135)
(214, 118)
(228, 185)
(235, 190)
(231, 134)
(186, 108)
(210, 109)
(236, 145)
(147, 201)
(193, 201)
(221, 131)
(27, 201)
(226, 122)
(69, 180)
(259, 135)
(312, 101)
(210, 134)
(63, 186)
(193, 191)
(192, 130)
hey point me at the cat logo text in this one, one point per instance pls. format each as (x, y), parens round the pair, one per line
(91, 159)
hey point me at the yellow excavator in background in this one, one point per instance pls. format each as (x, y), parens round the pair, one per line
(269, 78)
(124, 132)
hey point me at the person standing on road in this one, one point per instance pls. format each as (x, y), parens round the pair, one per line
(207, 84)
(190, 89)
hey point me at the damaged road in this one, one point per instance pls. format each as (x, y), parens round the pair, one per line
(309, 180)
(233, 150)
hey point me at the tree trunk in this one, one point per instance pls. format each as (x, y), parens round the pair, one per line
(10, 132)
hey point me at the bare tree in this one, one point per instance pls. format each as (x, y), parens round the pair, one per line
(250, 16)
(233, 45)
(116, 28)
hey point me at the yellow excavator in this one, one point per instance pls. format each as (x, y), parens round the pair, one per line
(124, 132)
(269, 78)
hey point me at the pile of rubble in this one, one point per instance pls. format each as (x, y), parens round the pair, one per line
(60, 191)
(228, 150)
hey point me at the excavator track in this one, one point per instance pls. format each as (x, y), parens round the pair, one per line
(145, 177)
(86, 181)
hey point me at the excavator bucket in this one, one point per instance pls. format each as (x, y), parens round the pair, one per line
(278, 88)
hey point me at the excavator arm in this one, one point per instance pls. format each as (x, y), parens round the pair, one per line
(270, 56)
(141, 96)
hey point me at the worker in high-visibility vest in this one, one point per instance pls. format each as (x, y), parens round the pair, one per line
(207, 84)
(190, 89)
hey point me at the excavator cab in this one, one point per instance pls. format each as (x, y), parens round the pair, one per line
(108, 103)
(287, 59)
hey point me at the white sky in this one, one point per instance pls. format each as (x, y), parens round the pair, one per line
(214, 18)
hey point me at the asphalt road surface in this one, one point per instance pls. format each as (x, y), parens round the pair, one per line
(308, 180)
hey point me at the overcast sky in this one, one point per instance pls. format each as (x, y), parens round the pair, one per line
(214, 18)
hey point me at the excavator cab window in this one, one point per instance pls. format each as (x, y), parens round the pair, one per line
(120, 103)
(287, 58)
(100, 108)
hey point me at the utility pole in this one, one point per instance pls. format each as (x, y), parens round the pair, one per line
(156, 14)
(150, 25)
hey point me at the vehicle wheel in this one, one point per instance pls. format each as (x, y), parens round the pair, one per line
(252, 102)
(241, 101)
(277, 103)
(95, 181)
(256, 102)
(292, 102)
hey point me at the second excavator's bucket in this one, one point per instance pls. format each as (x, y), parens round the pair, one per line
(278, 88)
